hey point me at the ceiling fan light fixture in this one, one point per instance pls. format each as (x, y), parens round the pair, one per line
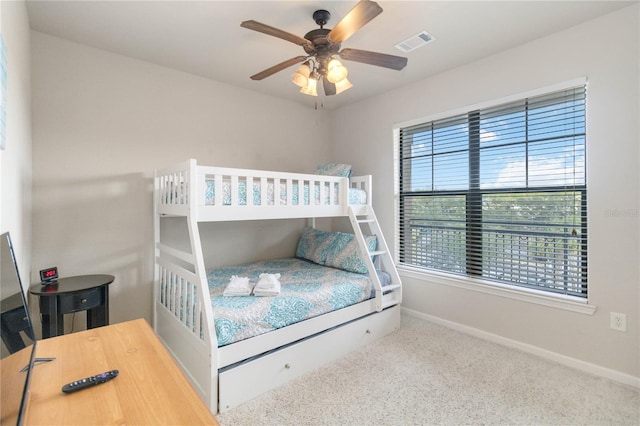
(343, 85)
(336, 72)
(319, 67)
(311, 88)
(301, 76)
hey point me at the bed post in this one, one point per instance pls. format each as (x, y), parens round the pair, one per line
(156, 246)
(208, 329)
(183, 316)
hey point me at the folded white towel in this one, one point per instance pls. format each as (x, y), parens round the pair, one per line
(268, 285)
(238, 286)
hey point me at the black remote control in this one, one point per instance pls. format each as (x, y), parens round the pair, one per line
(90, 381)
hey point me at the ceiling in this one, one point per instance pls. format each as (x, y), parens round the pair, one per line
(204, 38)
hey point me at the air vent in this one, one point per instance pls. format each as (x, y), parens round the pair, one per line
(412, 43)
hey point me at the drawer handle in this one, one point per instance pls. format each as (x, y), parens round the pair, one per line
(287, 366)
(84, 300)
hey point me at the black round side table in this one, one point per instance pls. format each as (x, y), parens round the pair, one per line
(72, 294)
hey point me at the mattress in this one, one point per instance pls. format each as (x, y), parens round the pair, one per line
(356, 195)
(307, 290)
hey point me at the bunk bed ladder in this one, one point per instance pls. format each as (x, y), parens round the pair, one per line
(390, 294)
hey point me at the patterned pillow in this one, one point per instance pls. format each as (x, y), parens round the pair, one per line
(334, 169)
(335, 249)
(311, 243)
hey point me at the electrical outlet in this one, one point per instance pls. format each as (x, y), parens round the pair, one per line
(618, 321)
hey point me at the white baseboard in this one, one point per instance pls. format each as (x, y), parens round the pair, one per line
(587, 367)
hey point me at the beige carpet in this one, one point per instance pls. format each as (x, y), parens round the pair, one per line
(428, 374)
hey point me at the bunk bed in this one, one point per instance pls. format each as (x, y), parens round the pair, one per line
(228, 367)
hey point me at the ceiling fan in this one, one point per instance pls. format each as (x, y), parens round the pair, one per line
(321, 45)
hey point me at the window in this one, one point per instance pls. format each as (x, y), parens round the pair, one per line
(499, 193)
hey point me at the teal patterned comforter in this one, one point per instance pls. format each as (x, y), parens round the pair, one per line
(308, 290)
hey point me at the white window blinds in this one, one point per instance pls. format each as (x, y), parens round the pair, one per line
(499, 193)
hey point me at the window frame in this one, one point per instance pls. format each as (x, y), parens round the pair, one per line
(479, 283)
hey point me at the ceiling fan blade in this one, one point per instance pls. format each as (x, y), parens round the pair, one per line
(374, 58)
(329, 87)
(279, 67)
(363, 12)
(275, 32)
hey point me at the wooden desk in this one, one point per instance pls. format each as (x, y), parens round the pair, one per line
(150, 388)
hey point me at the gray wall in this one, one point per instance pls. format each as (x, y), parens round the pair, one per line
(606, 51)
(15, 159)
(102, 123)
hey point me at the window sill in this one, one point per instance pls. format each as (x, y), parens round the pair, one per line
(567, 303)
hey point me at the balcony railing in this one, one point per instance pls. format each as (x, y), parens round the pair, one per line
(534, 255)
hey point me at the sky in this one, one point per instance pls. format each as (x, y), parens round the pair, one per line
(543, 146)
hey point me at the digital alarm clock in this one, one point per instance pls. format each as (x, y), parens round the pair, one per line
(49, 274)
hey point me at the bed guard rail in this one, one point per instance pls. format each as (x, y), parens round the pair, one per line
(172, 188)
(243, 187)
(219, 193)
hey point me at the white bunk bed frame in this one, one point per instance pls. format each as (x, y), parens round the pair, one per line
(229, 375)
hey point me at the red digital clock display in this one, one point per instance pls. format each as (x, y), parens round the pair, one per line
(49, 274)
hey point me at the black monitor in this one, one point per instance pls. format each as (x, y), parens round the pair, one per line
(18, 339)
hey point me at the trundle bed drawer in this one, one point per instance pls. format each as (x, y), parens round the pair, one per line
(250, 379)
